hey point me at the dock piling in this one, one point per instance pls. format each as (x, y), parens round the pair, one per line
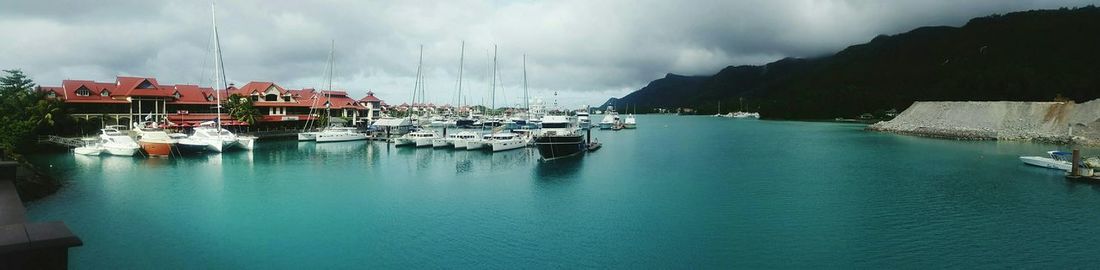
(1075, 171)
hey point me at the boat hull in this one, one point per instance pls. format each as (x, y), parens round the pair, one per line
(441, 143)
(339, 137)
(555, 147)
(403, 142)
(504, 145)
(307, 136)
(459, 144)
(121, 151)
(475, 145)
(88, 151)
(422, 142)
(156, 148)
(1046, 162)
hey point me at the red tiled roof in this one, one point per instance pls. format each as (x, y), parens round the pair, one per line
(129, 86)
(68, 92)
(192, 94)
(258, 88)
(370, 98)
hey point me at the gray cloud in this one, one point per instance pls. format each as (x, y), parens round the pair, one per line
(585, 51)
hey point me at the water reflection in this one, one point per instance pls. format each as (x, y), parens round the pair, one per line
(558, 170)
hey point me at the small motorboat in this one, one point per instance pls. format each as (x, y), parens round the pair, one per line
(593, 146)
(1054, 160)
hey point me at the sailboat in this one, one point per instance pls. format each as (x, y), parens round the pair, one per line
(422, 137)
(308, 133)
(210, 134)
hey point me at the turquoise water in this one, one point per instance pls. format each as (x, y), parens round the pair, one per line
(679, 192)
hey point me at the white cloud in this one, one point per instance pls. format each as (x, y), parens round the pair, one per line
(586, 51)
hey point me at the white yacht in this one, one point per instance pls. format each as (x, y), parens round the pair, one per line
(1055, 160)
(478, 143)
(583, 119)
(609, 120)
(444, 141)
(115, 142)
(307, 136)
(339, 134)
(460, 140)
(631, 122)
(211, 137)
(418, 138)
(506, 141)
(91, 147)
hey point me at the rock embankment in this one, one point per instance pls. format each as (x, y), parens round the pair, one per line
(1056, 122)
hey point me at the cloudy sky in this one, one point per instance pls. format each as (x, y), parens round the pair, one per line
(586, 51)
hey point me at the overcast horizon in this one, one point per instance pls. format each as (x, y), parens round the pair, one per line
(584, 51)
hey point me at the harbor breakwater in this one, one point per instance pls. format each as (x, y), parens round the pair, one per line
(1051, 122)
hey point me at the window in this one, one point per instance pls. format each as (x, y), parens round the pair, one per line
(83, 91)
(176, 95)
(145, 85)
(51, 94)
(104, 93)
(255, 98)
(271, 97)
(210, 98)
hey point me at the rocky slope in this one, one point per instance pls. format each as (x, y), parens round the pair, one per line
(1058, 122)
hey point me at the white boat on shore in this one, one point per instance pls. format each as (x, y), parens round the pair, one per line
(1054, 160)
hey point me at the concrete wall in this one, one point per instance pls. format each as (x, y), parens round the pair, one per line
(1000, 120)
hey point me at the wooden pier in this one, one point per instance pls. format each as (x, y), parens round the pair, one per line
(62, 141)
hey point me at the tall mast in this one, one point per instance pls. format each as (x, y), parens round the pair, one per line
(219, 74)
(331, 70)
(416, 85)
(526, 104)
(461, 63)
(493, 96)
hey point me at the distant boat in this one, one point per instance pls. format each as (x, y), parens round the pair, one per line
(754, 115)
(559, 138)
(609, 120)
(1054, 160)
(583, 119)
(631, 122)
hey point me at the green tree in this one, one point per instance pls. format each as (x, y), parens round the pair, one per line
(241, 108)
(25, 114)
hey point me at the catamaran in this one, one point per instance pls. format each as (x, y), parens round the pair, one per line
(461, 139)
(506, 141)
(210, 135)
(339, 134)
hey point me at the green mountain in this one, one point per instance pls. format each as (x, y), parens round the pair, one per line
(1031, 55)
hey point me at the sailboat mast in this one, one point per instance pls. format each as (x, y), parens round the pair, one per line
(331, 70)
(493, 97)
(526, 104)
(461, 63)
(219, 75)
(416, 85)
